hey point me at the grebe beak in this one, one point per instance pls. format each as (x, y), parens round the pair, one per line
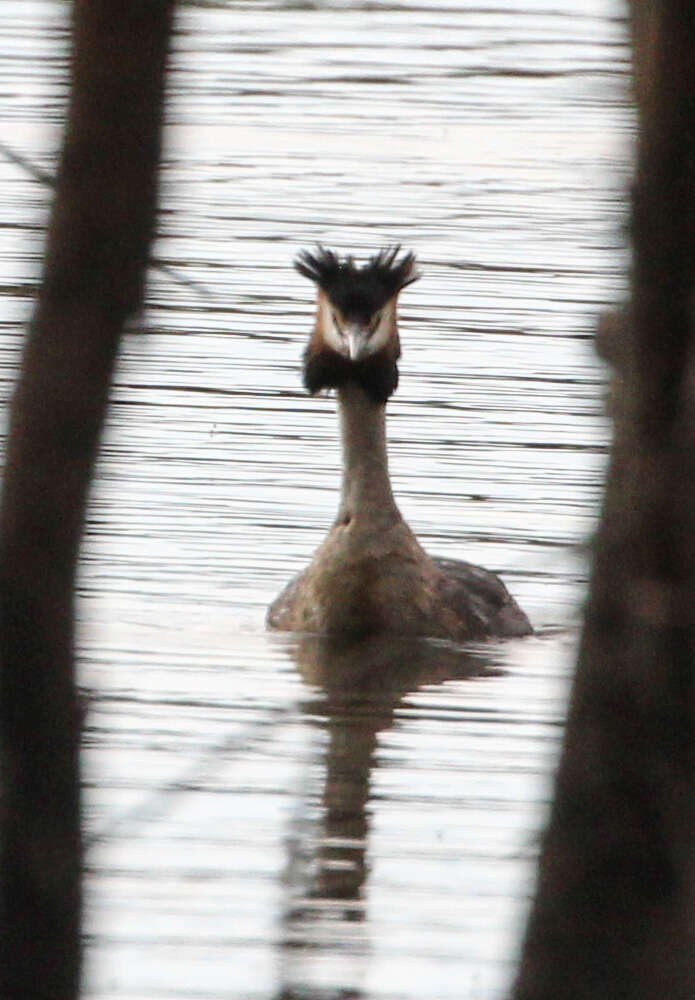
(357, 342)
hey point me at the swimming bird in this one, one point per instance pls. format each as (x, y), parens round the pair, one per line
(371, 575)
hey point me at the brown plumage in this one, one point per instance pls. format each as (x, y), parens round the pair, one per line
(371, 574)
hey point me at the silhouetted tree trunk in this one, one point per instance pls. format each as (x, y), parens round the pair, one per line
(98, 243)
(614, 914)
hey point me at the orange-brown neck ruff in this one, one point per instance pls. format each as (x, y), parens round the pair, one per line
(324, 368)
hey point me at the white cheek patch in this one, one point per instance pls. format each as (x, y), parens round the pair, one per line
(332, 337)
(382, 334)
(327, 328)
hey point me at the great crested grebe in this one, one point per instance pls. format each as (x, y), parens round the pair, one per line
(371, 574)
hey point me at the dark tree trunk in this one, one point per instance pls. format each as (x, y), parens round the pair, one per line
(614, 914)
(98, 243)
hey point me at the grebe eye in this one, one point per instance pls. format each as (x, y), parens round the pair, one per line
(375, 322)
(336, 321)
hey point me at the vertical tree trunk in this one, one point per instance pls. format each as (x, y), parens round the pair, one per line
(614, 914)
(95, 260)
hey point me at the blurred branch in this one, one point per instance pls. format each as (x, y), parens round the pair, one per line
(43, 177)
(614, 913)
(98, 241)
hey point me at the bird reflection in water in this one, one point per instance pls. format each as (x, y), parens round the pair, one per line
(355, 690)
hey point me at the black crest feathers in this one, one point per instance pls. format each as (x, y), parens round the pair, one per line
(358, 291)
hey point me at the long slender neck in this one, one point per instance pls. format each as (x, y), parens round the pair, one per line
(366, 490)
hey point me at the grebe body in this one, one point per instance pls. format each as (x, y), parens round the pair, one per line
(371, 574)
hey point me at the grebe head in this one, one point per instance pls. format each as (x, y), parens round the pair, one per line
(356, 334)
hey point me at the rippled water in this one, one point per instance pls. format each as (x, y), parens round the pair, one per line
(269, 818)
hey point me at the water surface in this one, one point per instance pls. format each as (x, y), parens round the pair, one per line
(269, 817)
